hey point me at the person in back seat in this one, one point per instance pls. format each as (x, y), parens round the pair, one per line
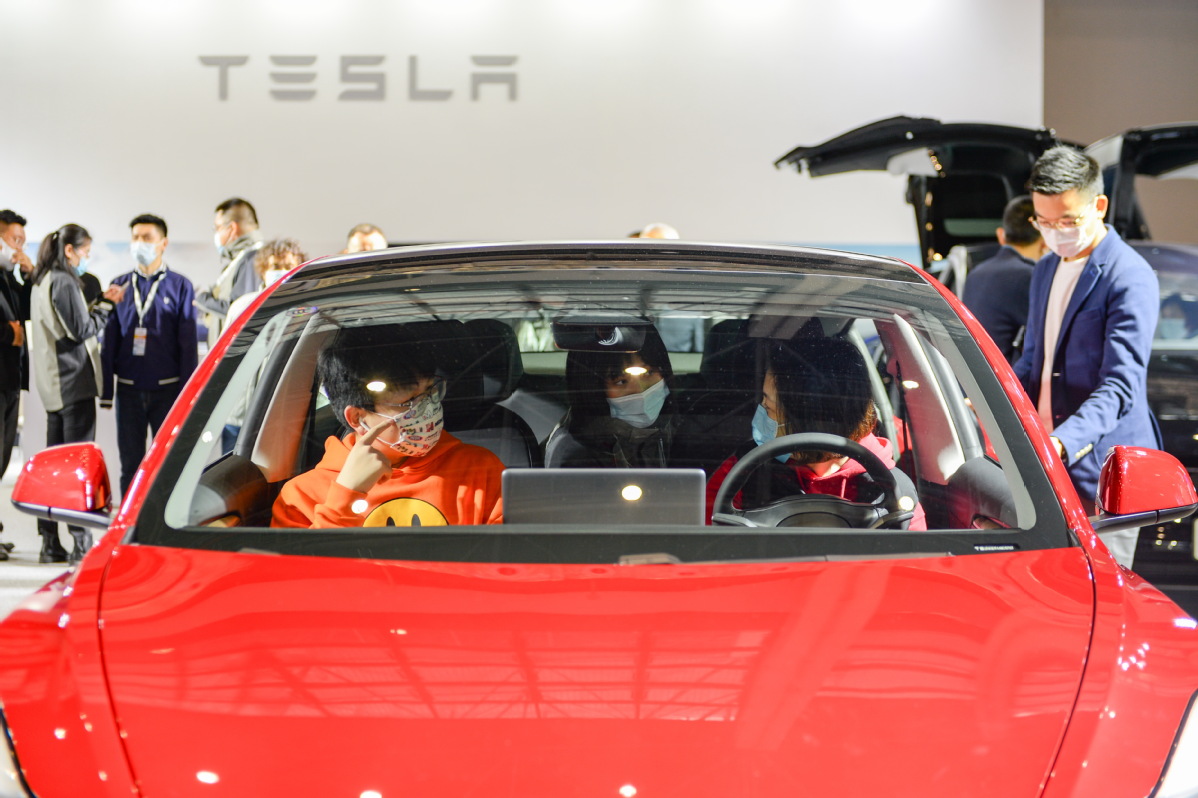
(814, 385)
(397, 466)
(621, 413)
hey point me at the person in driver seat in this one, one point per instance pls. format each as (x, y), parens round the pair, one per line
(396, 466)
(621, 413)
(814, 385)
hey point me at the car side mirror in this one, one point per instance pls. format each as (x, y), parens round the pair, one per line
(1139, 487)
(66, 483)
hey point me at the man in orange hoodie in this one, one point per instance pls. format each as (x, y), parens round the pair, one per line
(397, 466)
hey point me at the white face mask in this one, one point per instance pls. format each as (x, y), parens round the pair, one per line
(1171, 329)
(220, 247)
(143, 252)
(640, 410)
(6, 253)
(1068, 243)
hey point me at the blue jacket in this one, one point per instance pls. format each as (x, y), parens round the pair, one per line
(997, 291)
(171, 342)
(1099, 394)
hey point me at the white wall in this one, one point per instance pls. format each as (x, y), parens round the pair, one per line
(627, 111)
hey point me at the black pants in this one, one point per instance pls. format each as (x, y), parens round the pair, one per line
(73, 424)
(135, 412)
(10, 410)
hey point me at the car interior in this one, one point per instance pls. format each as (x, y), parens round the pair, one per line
(506, 391)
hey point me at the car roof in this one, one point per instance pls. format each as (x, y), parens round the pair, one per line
(633, 254)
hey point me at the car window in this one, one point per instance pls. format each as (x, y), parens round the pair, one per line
(533, 381)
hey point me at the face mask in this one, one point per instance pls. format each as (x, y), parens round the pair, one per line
(220, 247)
(419, 429)
(6, 253)
(765, 429)
(1068, 243)
(81, 267)
(1171, 328)
(640, 410)
(272, 276)
(143, 252)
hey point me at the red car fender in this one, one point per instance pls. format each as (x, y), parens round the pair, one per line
(54, 689)
(1141, 672)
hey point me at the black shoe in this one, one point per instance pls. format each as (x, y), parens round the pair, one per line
(83, 544)
(3, 554)
(52, 550)
(7, 546)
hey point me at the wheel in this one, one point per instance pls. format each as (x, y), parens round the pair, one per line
(889, 510)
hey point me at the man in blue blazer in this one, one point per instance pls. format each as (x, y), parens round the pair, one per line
(1091, 318)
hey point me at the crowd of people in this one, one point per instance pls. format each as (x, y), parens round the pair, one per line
(131, 345)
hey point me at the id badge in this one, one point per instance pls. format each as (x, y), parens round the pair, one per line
(139, 342)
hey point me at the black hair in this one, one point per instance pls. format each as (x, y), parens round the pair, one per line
(588, 372)
(238, 210)
(52, 255)
(823, 385)
(8, 217)
(389, 353)
(1062, 168)
(149, 218)
(1188, 308)
(1017, 221)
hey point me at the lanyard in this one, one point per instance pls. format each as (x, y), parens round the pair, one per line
(142, 307)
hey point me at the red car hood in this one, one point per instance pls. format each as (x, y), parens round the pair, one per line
(244, 674)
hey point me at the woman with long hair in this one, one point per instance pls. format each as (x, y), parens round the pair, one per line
(65, 354)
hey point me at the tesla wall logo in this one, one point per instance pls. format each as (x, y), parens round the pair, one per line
(292, 76)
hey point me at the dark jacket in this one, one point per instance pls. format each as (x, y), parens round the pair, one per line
(12, 366)
(997, 292)
(1100, 370)
(170, 321)
(606, 442)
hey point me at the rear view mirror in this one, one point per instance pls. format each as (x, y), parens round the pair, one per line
(600, 332)
(66, 483)
(1139, 487)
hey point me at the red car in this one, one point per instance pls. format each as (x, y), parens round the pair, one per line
(604, 640)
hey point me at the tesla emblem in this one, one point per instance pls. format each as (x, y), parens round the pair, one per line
(293, 77)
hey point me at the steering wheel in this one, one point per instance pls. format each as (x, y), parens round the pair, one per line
(809, 509)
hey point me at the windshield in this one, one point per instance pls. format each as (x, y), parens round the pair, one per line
(564, 412)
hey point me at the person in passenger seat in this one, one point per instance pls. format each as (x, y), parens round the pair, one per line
(396, 466)
(814, 385)
(620, 411)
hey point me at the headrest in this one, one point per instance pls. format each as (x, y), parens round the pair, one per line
(499, 356)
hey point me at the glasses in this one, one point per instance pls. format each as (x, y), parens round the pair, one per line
(418, 403)
(1068, 223)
